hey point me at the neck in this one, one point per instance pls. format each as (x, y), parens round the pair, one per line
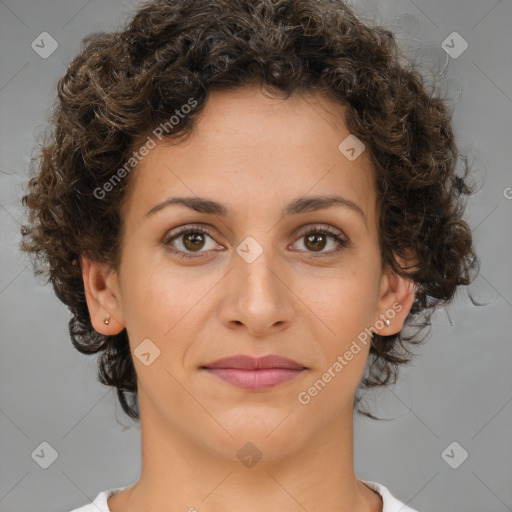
(180, 473)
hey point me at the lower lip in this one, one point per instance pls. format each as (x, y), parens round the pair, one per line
(255, 379)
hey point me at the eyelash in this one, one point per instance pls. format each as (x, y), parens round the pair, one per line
(324, 230)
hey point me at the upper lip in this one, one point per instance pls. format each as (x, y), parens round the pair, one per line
(246, 362)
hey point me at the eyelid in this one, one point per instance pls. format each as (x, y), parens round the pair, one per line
(303, 230)
(209, 229)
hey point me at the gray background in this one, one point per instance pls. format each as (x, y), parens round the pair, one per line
(459, 387)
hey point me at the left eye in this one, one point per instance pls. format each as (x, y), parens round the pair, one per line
(192, 239)
(318, 237)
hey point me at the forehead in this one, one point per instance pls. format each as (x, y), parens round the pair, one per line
(248, 150)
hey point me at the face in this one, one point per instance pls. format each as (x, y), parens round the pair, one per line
(269, 275)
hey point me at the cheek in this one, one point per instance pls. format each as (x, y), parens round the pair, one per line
(344, 307)
(344, 300)
(148, 297)
(164, 302)
(345, 313)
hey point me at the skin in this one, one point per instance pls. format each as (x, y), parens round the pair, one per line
(254, 154)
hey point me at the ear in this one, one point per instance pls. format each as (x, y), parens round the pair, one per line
(395, 300)
(102, 296)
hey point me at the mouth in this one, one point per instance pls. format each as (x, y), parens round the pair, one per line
(255, 373)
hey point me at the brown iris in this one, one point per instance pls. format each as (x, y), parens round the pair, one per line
(193, 241)
(313, 238)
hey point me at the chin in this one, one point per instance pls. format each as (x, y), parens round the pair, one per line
(270, 431)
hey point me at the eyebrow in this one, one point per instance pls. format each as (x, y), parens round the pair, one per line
(297, 206)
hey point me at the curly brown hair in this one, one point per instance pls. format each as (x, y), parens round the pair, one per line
(125, 83)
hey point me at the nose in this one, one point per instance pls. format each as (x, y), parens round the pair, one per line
(258, 294)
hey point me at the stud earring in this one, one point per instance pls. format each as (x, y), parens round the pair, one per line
(107, 319)
(387, 322)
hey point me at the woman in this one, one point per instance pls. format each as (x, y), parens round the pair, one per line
(244, 205)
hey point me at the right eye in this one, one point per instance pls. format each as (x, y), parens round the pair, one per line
(191, 238)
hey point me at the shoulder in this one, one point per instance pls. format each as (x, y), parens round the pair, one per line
(390, 503)
(100, 502)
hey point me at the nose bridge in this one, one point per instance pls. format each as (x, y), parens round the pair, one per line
(257, 265)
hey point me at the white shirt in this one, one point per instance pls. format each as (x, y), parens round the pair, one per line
(390, 503)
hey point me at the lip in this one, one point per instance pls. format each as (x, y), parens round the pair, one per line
(255, 373)
(246, 362)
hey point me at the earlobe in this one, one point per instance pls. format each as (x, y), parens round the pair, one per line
(102, 296)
